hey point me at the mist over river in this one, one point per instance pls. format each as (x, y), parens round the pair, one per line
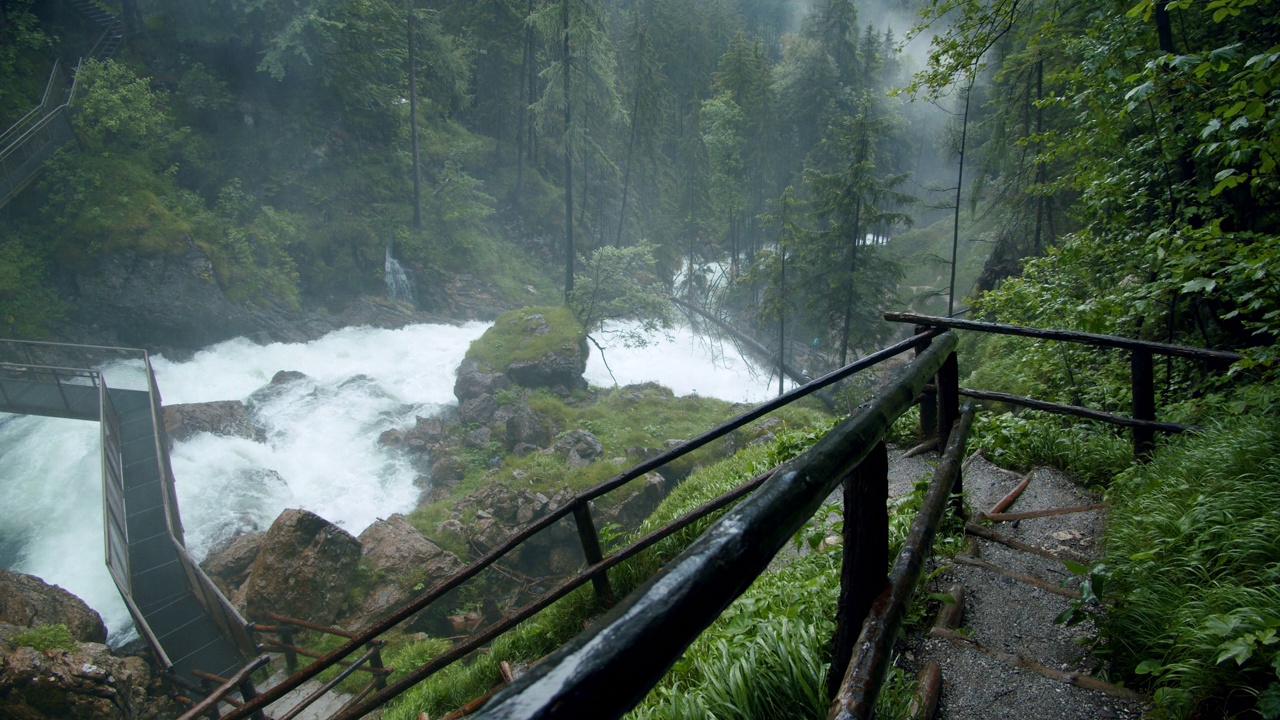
(321, 451)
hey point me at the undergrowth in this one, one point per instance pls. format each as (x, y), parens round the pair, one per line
(461, 682)
(47, 637)
(1194, 552)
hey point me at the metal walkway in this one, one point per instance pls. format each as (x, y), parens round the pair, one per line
(187, 622)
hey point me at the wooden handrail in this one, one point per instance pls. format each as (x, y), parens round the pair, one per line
(861, 684)
(1111, 341)
(395, 618)
(609, 667)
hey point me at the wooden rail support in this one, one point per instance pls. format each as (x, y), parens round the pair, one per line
(864, 565)
(591, 549)
(856, 699)
(928, 398)
(1144, 402)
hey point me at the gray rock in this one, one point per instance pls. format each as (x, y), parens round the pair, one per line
(477, 410)
(27, 601)
(303, 570)
(473, 381)
(527, 429)
(404, 564)
(228, 566)
(222, 417)
(639, 500)
(580, 447)
(87, 682)
(478, 438)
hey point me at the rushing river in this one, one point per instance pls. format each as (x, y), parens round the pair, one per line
(321, 451)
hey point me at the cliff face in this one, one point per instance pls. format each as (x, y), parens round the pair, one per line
(173, 304)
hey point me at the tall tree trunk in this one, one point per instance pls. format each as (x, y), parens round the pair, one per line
(1041, 173)
(413, 121)
(955, 231)
(848, 282)
(626, 173)
(782, 314)
(568, 158)
(526, 92)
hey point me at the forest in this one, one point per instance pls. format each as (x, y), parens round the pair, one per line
(1111, 163)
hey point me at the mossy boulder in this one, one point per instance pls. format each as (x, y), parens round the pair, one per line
(533, 347)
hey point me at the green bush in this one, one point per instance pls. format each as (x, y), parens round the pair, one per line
(47, 637)
(1194, 550)
(1093, 453)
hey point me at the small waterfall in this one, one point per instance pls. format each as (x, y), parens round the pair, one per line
(399, 284)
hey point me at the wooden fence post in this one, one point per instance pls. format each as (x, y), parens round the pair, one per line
(864, 565)
(248, 692)
(1144, 402)
(928, 398)
(591, 549)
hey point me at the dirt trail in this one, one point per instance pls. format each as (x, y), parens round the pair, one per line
(1007, 621)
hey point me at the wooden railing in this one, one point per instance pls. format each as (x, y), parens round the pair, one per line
(608, 668)
(597, 564)
(1142, 376)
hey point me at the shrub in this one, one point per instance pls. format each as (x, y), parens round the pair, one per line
(1194, 550)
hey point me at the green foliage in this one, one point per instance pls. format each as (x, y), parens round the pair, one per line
(619, 284)
(117, 110)
(47, 637)
(22, 61)
(1196, 568)
(29, 306)
(1091, 452)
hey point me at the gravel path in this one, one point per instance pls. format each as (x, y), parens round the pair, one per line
(1009, 616)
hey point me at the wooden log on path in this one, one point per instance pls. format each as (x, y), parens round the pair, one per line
(1010, 517)
(928, 690)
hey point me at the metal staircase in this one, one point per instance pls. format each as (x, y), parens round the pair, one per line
(192, 629)
(28, 143)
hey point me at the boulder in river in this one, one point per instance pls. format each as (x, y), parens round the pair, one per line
(304, 569)
(403, 563)
(221, 417)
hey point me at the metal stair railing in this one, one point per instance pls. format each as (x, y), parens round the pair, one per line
(29, 360)
(32, 140)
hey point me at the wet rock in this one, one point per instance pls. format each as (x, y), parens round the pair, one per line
(303, 570)
(229, 565)
(447, 470)
(474, 381)
(478, 438)
(427, 435)
(157, 300)
(87, 682)
(27, 601)
(477, 410)
(527, 428)
(639, 499)
(283, 377)
(222, 417)
(404, 563)
(391, 438)
(580, 447)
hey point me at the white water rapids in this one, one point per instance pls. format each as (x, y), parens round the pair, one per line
(321, 452)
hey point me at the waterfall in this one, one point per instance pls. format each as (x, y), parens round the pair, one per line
(396, 276)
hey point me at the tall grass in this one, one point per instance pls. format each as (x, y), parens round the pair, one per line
(531, 640)
(1194, 550)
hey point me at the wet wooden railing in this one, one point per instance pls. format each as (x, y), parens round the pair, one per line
(1143, 423)
(598, 564)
